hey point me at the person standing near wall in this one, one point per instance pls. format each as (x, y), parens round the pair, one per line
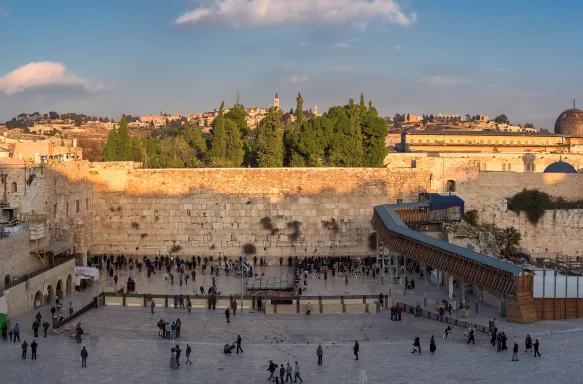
(33, 347)
(84, 355)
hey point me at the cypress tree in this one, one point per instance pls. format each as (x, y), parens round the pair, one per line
(219, 141)
(269, 141)
(300, 109)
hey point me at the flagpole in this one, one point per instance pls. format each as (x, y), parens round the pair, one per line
(242, 259)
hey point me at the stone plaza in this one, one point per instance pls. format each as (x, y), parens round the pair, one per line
(124, 345)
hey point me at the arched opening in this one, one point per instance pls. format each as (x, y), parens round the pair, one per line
(50, 294)
(68, 285)
(60, 293)
(450, 186)
(14, 187)
(38, 299)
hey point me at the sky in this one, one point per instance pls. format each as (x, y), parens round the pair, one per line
(522, 58)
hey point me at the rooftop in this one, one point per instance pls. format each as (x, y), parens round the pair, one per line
(484, 133)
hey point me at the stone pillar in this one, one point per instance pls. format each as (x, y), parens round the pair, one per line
(463, 294)
(450, 286)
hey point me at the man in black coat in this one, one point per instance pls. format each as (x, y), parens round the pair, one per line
(239, 344)
(356, 349)
(33, 347)
(46, 326)
(35, 327)
(178, 351)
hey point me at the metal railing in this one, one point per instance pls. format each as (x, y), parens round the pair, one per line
(94, 304)
(410, 309)
(29, 276)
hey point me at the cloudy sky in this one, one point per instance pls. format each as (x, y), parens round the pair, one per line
(519, 57)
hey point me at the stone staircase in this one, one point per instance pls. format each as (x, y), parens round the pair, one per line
(521, 308)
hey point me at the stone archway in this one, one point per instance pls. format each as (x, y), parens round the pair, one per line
(59, 292)
(50, 294)
(38, 299)
(68, 283)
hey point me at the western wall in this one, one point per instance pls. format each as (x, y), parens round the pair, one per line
(120, 208)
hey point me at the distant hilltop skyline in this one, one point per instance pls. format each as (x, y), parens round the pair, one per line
(408, 56)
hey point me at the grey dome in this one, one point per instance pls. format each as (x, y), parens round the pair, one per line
(570, 123)
(560, 167)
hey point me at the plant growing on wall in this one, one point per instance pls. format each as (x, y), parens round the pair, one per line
(331, 225)
(143, 235)
(471, 217)
(135, 225)
(266, 223)
(533, 202)
(175, 248)
(295, 234)
(250, 249)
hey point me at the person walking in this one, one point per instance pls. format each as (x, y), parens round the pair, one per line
(536, 345)
(515, 352)
(527, 343)
(188, 351)
(416, 345)
(356, 348)
(46, 326)
(178, 352)
(173, 359)
(152, 306)
(471, 336)
(33, 347)
(447, 334)
(239, 344)
(297, 373)
(432, 347)
(70, 308)
(189, 305)
(281, 373)
(24, 347)
(320, 354)
(288, 373)
(35, 327)
(234, 307)
(228, 315)
(308, 309)
(271, 369)
(178, 327)
(16, 331)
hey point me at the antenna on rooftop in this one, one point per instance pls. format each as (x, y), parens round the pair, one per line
(573, 103)
(238, 99)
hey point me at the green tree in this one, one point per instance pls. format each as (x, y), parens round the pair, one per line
(237, 114)
(219, 141)
(110, 148)
(192, 134)
(235, 151)
(501, 119)
(511, 239)
(346, 141)
(299, 109)
(124, 148)
(269, 140)
(374, 131)
(361, 99)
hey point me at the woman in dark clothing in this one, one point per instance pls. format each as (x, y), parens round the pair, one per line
(432, 346)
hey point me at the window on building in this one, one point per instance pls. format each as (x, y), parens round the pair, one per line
(87, 204)
(413, 163)
(420, 141)
(489, 141)
(503, 141)
(484, 166)
(77, 205)
(496, 142)
(451, 141)
(503, 167)
(427, 141)
(511, 141)
(67, 210)
(481, 141)
(518, 141)
(509, 167)
(14, 187)
(459, 141)
(479, 166)
(450, 186)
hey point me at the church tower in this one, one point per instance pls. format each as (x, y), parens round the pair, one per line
(276, 101)
(316, 110)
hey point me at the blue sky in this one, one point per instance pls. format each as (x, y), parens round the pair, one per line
(518, 57)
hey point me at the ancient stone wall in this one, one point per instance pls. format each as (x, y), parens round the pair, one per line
(15, 258)
(214, 212)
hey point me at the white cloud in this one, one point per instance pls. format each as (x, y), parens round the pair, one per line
(289, 64)
(443, 80)
(297, 79)
(360, 25)
(303, 44)
(340, 46)
(262, 13)
(397, 47)
(44, 74)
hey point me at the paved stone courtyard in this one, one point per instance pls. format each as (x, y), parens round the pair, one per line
(124, 346)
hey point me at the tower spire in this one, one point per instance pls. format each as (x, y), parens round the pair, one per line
(573, 103)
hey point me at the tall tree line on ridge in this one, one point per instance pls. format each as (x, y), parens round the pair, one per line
(346, 136)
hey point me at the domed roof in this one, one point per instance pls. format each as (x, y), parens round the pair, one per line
(560, 167)
(570, 122)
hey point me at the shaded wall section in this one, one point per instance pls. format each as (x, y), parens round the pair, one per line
(213, 212)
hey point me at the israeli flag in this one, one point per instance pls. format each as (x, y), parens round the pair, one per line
(246, 264)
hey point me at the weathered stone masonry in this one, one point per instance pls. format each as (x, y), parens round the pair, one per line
(214, 212)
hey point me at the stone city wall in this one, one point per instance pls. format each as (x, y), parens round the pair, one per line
(21, 297)
(214, 212)
(15, 257)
